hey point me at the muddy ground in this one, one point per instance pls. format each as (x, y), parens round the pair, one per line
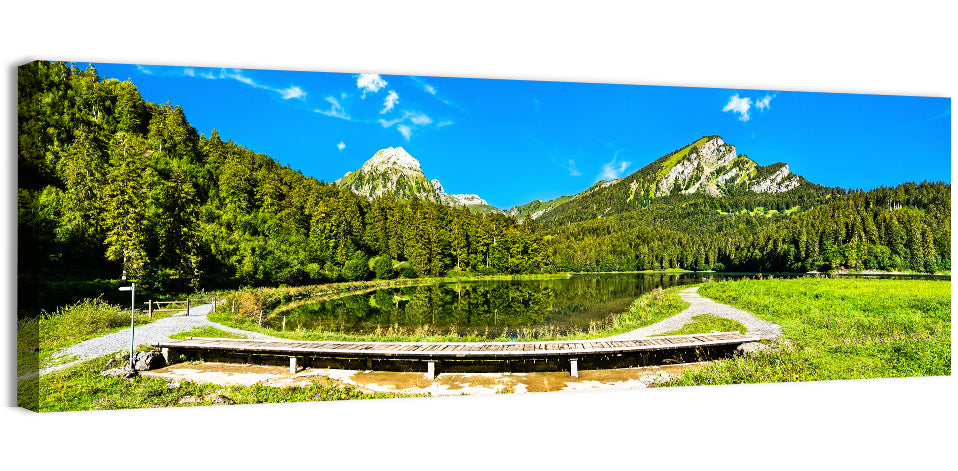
(445, 384)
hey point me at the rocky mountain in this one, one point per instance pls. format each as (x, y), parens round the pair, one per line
(707, 166)
(394, 170)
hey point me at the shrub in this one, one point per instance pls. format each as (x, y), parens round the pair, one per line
(356, 269)
(80, 320)
(383, 267)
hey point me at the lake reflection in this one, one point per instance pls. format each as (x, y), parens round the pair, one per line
(490, 309)
(516, 309)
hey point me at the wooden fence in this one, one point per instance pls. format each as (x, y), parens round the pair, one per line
(166, 306)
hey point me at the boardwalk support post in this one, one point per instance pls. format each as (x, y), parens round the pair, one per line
(431, 369)
(574, 367)
(292, 365)
(168, 354)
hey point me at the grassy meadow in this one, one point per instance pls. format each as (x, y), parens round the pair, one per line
(837, 329)
(831, 329)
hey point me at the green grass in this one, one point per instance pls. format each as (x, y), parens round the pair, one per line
(38, 338)
(83, 388)
(838, 329)
(208, 332)
(675, 158)
(706, 323)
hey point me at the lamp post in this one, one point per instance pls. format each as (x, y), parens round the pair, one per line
(132, 290)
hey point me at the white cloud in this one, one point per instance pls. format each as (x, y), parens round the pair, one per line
(417, 118)
(740, 106)
(448, 122)
(389, 123)
(425, 86)
(613, 169)
(236, 74)
(391, 99)
(370, 83)
(406, 131)
(144, 70)
(341, 145)
(292, 92)
(336, 110)
(763, 103)
(573, 171)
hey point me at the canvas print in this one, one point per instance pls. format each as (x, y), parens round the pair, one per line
(192, 236)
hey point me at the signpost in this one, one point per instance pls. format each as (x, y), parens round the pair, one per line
(132, 290)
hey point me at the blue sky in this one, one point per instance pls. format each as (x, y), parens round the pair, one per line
(512, 142)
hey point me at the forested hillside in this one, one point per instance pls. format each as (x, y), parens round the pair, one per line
(110, 184)
(903, 228)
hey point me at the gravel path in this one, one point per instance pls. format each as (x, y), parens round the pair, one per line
(699, 306)
(144, 334)
(180, 322)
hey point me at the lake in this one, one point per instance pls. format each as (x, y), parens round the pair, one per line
(490, 309)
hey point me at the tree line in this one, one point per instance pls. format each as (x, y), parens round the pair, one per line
(111, 186)
(903, 228)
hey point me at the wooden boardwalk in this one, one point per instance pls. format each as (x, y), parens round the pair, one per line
(431, 353)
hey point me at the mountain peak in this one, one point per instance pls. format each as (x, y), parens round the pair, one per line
(394, 170)
(393, 157)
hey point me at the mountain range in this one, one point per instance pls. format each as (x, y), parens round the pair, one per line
(706, 166)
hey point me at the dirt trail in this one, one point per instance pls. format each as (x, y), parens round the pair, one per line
(699, 306)
(144, 334)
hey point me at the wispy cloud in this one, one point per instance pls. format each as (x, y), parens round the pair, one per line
(391, 122)
(739, 105)
(445, 123)
(391, 99)
(370, 83)
(292, 92)
(144, 70)
(335, 111)
(406, 131)
(573, 171)
(417, 118)
(613, 169)
(425, 86)
(341, 146)
(763, 103)
(428, 88)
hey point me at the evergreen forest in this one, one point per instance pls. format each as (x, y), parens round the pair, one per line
(113, 187)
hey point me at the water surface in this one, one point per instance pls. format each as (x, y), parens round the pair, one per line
(522, 309)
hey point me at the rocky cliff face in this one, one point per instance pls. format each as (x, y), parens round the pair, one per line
(713, 167)
(394, 170)
(708, 165)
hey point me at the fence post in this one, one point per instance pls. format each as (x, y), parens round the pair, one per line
(150, 308)
(214, 304)
(233, 306)
(261, 318)
(187, 306)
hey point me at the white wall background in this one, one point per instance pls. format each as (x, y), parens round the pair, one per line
(868, 47)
